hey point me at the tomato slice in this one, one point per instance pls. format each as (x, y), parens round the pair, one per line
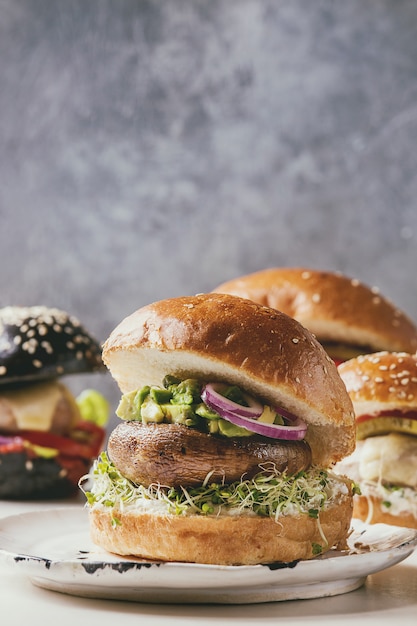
(85, 440)
(386, 422)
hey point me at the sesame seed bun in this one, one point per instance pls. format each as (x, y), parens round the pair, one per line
(224, 338)
(336, 308)
(39, 342)
(381, 381)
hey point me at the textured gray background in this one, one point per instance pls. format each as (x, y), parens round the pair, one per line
(157, 148)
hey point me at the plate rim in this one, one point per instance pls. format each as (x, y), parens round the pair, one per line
(51, 573)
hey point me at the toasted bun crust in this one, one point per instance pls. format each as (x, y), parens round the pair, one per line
(368, 509)
(381, 381)
(334, 307)
(237, 540)
(224, 338)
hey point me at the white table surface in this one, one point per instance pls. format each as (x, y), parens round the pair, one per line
(388, 597)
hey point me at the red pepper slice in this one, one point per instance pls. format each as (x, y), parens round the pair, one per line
(85, 440)
(410, 415)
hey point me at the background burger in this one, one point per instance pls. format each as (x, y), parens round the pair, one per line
(48, 438)
(348, 317)
(231, 414)
(383, 388)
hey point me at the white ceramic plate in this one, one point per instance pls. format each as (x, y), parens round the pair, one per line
(53, 548)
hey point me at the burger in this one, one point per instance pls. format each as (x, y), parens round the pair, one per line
(232, 415)
(383, 389)
(348, 317)
(48, 438)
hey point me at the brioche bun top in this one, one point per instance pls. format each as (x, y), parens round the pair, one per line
(218, 337)
(334, 307)
(381, 381)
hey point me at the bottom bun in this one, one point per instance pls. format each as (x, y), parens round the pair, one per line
(26, 478)
(222, 540)
(369, 509)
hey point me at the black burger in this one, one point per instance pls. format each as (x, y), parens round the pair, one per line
(48, 437)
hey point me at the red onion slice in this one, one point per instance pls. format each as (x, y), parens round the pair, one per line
(296, 430)
(225, 407)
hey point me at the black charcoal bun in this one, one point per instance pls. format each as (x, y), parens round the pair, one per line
(23, 477)
(39, 343)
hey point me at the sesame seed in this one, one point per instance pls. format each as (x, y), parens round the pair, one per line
(354, 282)
(37, 363)
(295, 340)
(305, 275)
(29, 346)
(3, 370)
(47, 347)
(316, 297)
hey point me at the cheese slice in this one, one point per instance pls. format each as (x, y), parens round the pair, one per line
(33, 407)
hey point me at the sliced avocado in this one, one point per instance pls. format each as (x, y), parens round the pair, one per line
(160, 395)
(204, 411)
(186, 392)
(231, 430)
(180, 414)
(130, 404)
(268, 416)
(151, 411)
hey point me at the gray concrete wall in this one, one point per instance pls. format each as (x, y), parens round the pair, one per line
(151, 149)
